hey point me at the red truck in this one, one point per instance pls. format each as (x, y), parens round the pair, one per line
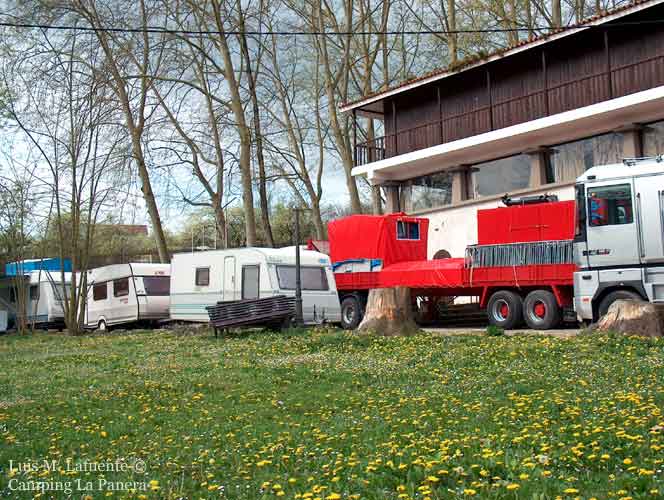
(521, 268)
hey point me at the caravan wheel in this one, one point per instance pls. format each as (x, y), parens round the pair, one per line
(102, 326)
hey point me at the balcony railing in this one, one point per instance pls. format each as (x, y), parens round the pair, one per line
(551, 99)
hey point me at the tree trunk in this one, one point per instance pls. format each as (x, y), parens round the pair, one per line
(452, 26)
(258, 134)
(556, 14)
(389, 312)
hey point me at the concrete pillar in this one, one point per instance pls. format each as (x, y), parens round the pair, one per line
(632, 146)
(460, 184)
(537, 167)
(406, 195)
(391, 191)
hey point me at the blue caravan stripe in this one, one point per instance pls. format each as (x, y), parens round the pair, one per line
(336, 265)
(375, 263)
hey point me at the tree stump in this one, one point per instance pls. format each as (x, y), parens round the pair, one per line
(633, 317)
(389, 312)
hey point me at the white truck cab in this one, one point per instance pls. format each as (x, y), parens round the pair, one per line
(619, 241)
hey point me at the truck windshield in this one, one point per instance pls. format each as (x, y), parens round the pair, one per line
(157, 285)
(313, 278)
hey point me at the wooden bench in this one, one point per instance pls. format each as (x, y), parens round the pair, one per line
(272, 312)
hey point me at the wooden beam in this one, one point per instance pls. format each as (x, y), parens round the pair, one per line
(607, 54)
(440, 114)
(545, 83)
(488, 91)
(355, 137)
(394, 126)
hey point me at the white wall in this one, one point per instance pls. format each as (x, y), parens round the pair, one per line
(453, 229)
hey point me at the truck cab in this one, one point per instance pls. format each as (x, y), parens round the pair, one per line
(619, 237)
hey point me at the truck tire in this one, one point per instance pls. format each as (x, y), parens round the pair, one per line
(613, 296)
(351, 312)
(505, 309)
(541, 310)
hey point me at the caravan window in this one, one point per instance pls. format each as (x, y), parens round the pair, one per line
(610, 205)
(34, 292)
(12, 295)
(250, 282)
(99, 291)
(121, 287)
(202, 276)
(313, 278)
(157, 286)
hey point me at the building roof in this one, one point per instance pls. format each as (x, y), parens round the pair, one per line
(369, 104)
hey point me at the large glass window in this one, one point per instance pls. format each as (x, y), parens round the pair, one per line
(568, 161)
(313, 278)
(157, 286)
(431, 191)
(501, 176)
(610, 205)
(653, 139)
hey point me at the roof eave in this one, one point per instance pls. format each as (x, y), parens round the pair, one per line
(521, 48)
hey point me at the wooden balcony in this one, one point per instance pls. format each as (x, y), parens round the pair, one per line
(550, 98)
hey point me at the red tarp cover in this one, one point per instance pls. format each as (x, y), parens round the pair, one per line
(443, 273)
(375, 237)
(518, 224)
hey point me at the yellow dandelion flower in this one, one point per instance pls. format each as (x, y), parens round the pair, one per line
(512, 486)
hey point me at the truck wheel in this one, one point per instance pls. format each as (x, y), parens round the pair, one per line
(351, 312)
(541, 310)
(613, 296)
(505, 309)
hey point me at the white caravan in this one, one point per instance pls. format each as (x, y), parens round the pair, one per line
(44, 294)
(127, 293)
(619, 243)
(202, 279)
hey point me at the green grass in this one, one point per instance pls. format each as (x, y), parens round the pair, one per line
(327, 414)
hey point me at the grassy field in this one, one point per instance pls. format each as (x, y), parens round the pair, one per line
(331, 415)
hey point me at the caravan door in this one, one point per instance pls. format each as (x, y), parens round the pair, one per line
(228, 292)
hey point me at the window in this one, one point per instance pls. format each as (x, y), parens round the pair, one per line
(568, 161)
(202, 276)
(580, 229)
(431, 191)
(121, 287)
(12, 295)
(653, 139)
(501, 176)
(610, 205)
(313, 278)
(157, 286)
(250, 282)
(34, 292)
(99, 291)
(408, 230)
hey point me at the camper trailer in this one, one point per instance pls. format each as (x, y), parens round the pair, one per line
(43, 295)
(127, 293)
(202, 279)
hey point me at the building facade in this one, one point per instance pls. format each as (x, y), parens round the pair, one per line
(528, 120)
